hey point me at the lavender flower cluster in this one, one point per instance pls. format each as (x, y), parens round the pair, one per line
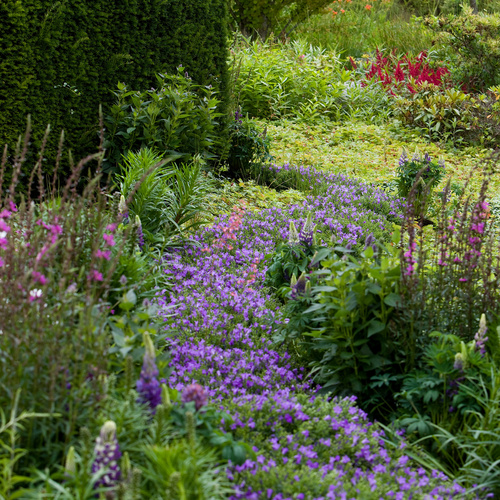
(308, 447)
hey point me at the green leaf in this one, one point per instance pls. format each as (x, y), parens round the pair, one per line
(392, 300)
(375, 327)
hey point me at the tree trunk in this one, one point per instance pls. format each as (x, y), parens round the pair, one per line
(473, 4)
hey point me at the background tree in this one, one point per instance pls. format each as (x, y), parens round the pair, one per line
(261, 18)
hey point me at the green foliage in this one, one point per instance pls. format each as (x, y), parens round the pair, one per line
(346, 327)
(264, 18)
(60, 60)
(349, 28)
(421, 175)
(186, 472)
(438, 114)
(59, 262)
(10, 453)
(289, 259)
(303, 82)
(177, 118)
(451, 406)
(249, 148)
(169, 200)
(471, 42)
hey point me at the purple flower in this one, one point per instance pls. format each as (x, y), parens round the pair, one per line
(107, 454)
(298, 286)
(480, 336)
(196, 393)
(148, 385)
(140, 234)
(306, 235)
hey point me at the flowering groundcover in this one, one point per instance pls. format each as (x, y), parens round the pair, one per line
(307, 445)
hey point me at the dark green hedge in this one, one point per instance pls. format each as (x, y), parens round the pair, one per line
(60, 59)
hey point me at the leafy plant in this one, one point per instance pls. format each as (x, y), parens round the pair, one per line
(421, 175)
(347, 324)
(450, 275)
(293, 258)
(278, 80)
(178, 118)
(168, 201)
(450, 406)
(10, 453)
(249, 148)
(181, 470)
(471, 42)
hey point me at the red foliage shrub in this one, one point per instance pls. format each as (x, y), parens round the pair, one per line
(405, 73)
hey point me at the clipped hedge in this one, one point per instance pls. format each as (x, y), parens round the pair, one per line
(60, 60)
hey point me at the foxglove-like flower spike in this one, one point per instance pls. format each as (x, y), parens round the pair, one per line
(299, 288)
(403, 158)
(459, 363)
(148, 386)
(196, 393)
(480, 336)
(306, 235)
(107, 454)
(370, 242)
(416, 155)
(293, 235)
(122, 207)
(140, 234)
(70, 464)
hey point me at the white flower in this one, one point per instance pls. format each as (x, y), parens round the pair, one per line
(36, 293)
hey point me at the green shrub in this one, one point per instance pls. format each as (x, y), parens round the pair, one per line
(471, 43)
(439, 114)
(346, 326)
(249, 148)
(422, 175)
(299, 81)
(168, 201)
(60, 60)
(450, 405)
(178, 118)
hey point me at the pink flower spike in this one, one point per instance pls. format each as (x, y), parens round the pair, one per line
(111, 227)
(4, 228)
(463, 280)
(103, 254)
(95, 276)
(12, 206)
(5, 214)
(39, 278)
(108, 238)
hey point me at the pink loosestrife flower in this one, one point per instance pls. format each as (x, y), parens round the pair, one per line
(95, 275)
(103, 254)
